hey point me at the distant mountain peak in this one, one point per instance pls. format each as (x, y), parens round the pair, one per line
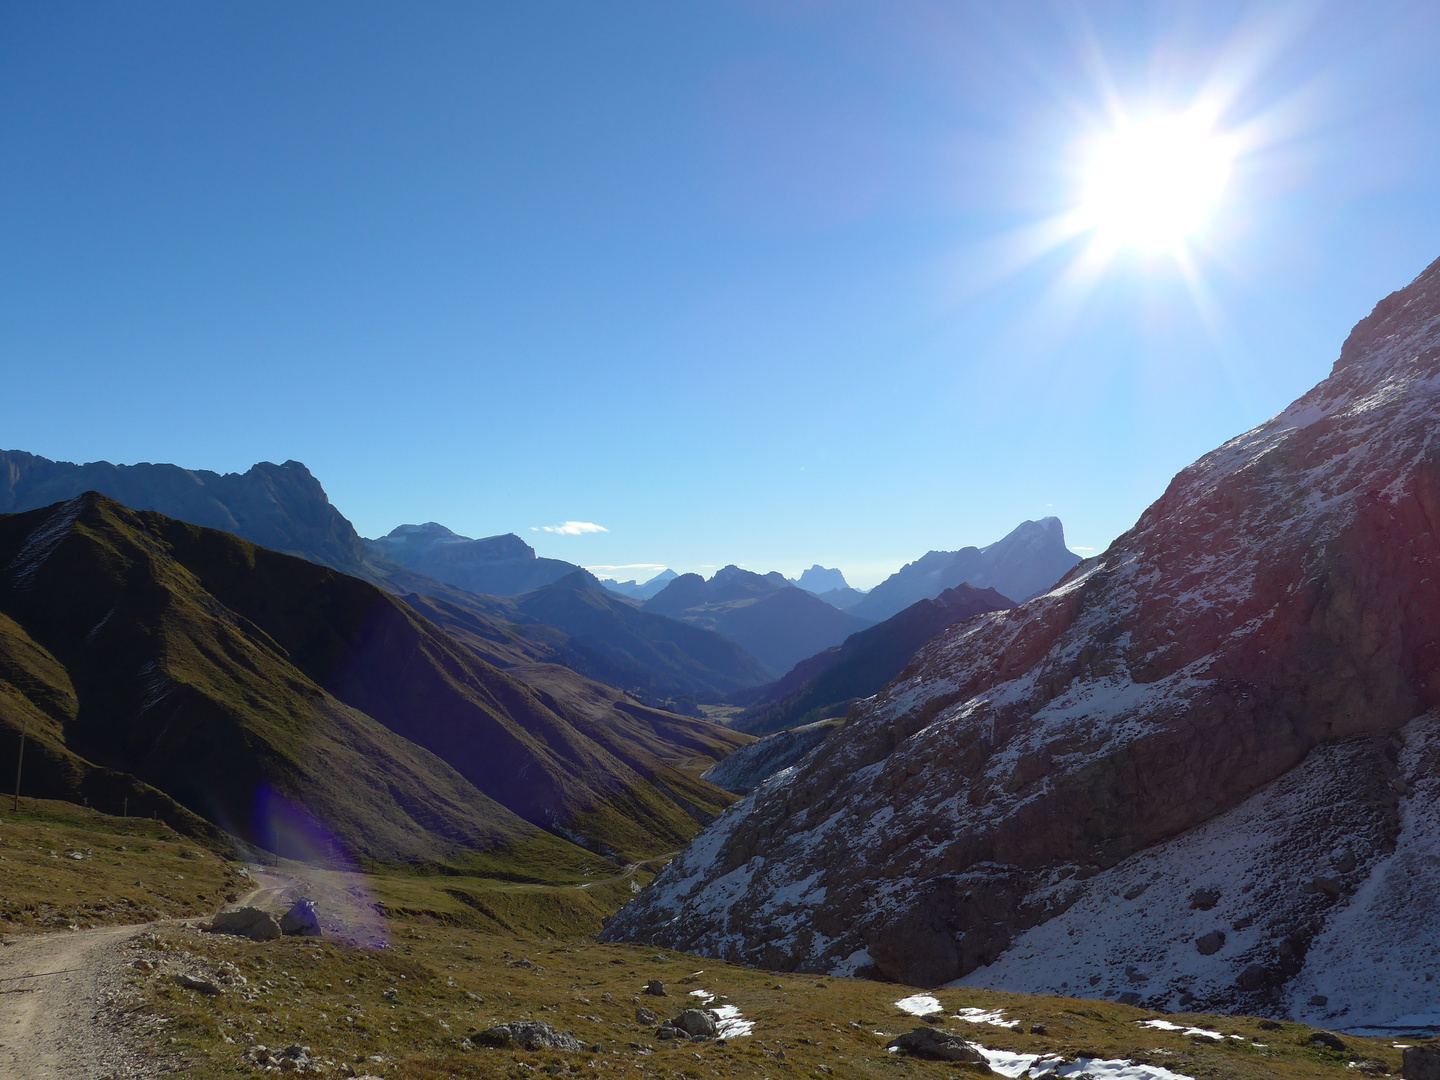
(820, 580)
(429, 529)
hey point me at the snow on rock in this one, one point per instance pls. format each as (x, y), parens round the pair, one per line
(1157, 724)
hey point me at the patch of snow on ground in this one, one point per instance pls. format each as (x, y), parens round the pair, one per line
(730, 1024)
(1166, 1025)
(981, 1016)
(704, 995)
(918, 1005)
(1008, 1064)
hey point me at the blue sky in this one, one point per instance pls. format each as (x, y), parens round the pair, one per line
(739, 282)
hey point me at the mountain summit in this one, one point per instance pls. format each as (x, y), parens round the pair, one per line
(1200, 773)
(1021, 564)
(494, 566)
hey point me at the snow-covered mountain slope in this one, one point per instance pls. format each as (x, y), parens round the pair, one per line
(1223, 699)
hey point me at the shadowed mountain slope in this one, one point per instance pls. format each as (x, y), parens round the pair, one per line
(213, 670)
(586, 627)
(1026, 561)
(770, 618)
(827, 684)
(1203, 770)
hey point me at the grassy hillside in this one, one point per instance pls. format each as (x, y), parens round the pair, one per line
(285, 702)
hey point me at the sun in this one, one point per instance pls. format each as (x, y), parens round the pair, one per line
(1153, 184)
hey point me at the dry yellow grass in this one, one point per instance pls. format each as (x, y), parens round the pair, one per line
(462, 954)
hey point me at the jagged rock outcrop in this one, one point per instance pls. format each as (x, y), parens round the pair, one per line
(1235, 699)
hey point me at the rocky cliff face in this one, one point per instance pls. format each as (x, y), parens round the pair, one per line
(1218, 726)
(280, 507)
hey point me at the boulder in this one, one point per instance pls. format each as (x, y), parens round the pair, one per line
(1204, 899)
(697, 1023)
(1421, 1063)
(1329, 1041)
(200, 986)
(926, 1042)
(1211, 943)
(246, 922)
(655, 988)
(645, 1016)
(301, 920)
(532, 1035)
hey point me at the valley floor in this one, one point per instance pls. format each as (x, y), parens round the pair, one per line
(412, 968)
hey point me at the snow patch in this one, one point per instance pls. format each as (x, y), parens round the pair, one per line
(918, 1005)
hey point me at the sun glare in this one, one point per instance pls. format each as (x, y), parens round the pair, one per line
(1152, 184)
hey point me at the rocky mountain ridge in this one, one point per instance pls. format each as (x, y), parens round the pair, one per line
(1165, 718)
(765, 614)
(1023, 563)
(493, 566)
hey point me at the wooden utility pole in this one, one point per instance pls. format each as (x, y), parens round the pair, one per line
(19, 761)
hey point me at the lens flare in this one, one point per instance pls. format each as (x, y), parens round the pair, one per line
(1153, 184)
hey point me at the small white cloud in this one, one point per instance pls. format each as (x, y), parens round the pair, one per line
(1077, 547)
(572, 528)
(627, 568)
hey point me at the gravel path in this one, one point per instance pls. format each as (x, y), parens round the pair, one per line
(62, 997)
(55, 1016)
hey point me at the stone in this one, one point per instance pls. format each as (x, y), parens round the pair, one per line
(926, 1042)
(200, 986)
(246, 922)
(1421, 1063)
(655, 988)
(1344, 861)
(1204, 899)
(1326, 885)
(143, 965)
(1328, 1040)
(1038, 1029)
(666, 1032)
(301, 920)
(1319, 1000)
(645, 1016)
(697, 1023)
(1129, 997)
(390, 994)
(532, 1035)
(1253, 977)
(1211, 943)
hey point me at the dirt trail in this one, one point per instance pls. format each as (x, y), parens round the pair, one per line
(54, 989)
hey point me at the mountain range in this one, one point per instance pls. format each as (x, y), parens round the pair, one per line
(1023, 563)
(1201, 772)
(495, 566)
(828, 683)
(765, 614)
(579, 623)
(178, 666)
(641, 590)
